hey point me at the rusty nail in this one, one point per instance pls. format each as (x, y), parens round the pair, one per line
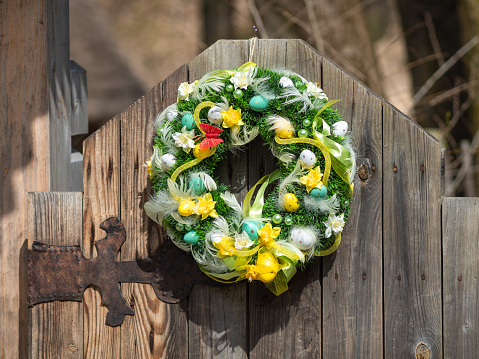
(423, 277)
(421, 168)
(399, 277)
(459, 278)
(51, 249)
(364, 276)
(336, 276)
(373, 168)
(61, 249)
(395, 169)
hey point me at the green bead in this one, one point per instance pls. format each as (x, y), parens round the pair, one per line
(288, 221)
(302, 133)
(238, 94)
(191, 237)
(277, 219)
(188, 120)
(230, 88)
(258, 103)
(179, 227)
(306, 123)
(157, 138)
(187, 227)
(197, 186)
(159, 131)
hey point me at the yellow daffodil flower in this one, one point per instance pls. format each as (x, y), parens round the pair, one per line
(268, 234)
(251, 272)
(224, 247)
(232, 118)
(313, 179)
(206, 206)
(149, 169)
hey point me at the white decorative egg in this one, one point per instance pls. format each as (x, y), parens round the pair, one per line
(214, 115)
(168, 161)
(302, 238)
(340, 128)
(216, 237)
(307, 159)
(171, 115)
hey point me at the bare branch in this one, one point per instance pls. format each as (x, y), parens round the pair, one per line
(257, 19)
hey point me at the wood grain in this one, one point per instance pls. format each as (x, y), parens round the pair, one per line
(101, 200)
(460, 226)
(217, 316)
(352, 283)
(57, 327)
(411, 237)
(157, 330)
(59, 90)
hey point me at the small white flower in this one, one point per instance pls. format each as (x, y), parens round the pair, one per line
(334, 224)
(184, 139)
(184, 90)
(285, 82)
(313, 90)
(242, 79)
(243, 241)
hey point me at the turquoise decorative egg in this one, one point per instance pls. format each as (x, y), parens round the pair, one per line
(191, 237)
(251, 229)
(258, 103)
(188, 120)
(197, 186)
(319, 192)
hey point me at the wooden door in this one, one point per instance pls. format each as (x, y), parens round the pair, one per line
(378, 296)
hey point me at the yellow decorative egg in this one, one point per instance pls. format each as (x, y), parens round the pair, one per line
(186, 207)
(267, 266)
(290, 202)
(202, 152)
(284, 133)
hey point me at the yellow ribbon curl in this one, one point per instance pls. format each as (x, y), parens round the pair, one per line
(310, 141)
(331, 249)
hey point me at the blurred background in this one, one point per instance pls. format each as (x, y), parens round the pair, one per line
(420, 55)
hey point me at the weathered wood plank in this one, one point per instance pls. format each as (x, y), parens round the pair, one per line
(460, 227)
(59, 90)
(76, 175)
(352, 283)
(290, 325)
(217, 316)
(411, 237)
(57, 327)
(25, 159)
(101, 186)
(79, 93)
(157, 330)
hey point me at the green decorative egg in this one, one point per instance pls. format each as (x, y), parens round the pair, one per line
(319, 192)
(191, 237)
(251, 229)
(258, 103)
(188, 120)
(197, 186)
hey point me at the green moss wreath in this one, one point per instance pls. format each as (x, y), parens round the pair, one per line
(305, 213)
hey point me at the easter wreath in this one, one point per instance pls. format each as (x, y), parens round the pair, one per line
(302, 217)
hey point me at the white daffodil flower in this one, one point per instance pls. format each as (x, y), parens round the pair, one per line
(243, 241)
(313, 90)
(285, 82)
(334, 224)
(184, 90)
(184, 139)
(242, 79)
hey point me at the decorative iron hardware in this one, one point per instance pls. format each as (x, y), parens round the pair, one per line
(63, 273)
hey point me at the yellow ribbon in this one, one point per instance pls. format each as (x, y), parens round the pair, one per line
(318, 144)
(256, 210)
(331, 249)
(198, 109)
(246, 66)
(227, 249)
(190, 164)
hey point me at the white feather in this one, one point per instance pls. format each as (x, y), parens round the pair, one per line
(160, 206)
(232, 202)
(292, 248)
(293, 96)
(261, 87)
(349, 146)
(208, 181)
(210, 83)
(167, 139)
(179, 191)
(283, 157)
(209, 262)
(241, 138)
(191, 220)
(285, 184)
(330, 205)
(161, 118)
